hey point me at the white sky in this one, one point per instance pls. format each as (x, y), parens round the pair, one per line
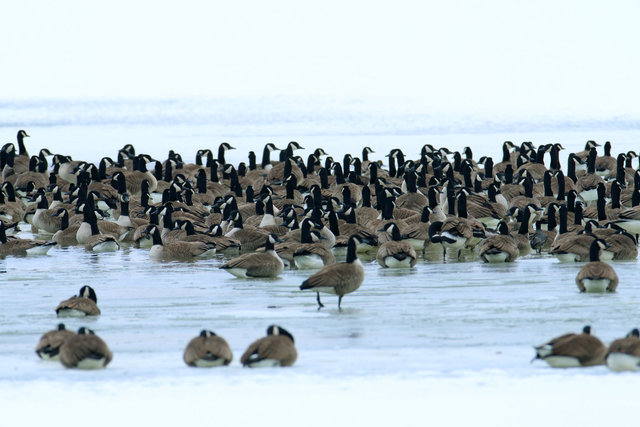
(528, 56)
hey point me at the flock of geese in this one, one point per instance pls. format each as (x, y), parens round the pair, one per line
(298, 213)
(86, 350)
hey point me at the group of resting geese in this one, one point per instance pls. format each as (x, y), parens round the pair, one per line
(584, 349)
(301, 213)
(85, 350)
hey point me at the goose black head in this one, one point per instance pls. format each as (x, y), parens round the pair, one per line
(206, 334)
(278, 330)
(88, 292)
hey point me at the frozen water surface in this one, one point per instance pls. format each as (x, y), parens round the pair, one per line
(447, 343)
(437, 336)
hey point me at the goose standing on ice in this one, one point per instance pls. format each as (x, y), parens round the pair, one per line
(338, 279)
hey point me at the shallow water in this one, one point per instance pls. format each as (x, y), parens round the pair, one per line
(464, 328)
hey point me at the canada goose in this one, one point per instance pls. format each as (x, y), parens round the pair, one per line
(572, 248)
(395, 253)
(32, 175)
(624, 353)
(207, 350)
(586, 186)
(176, 250)
(99, 242)
(250, 238)
(522, 236)
(43, 218)
(84, 304)
(536, 168)
(85, 351)
(21, 147)
(527, 198)
(10, 210)
(367, 240)
(312, 253)
(489, 214)
(140, 238)
(96, 241)
(606, 164)
(499, 248)
(139, 173)
(21, 247)
(457, 233)
(452, 233)
(266, 156)
(412, 199)
(126, 222)
(417, 233)
(573, 350)
(223, 244)
(622, 246)
(281, 170)
(629, 219)
(597, 276)
(66, 167)
(257, 264)
(222, 149)
(338, 279)
(66, 236)
(48, 347)
(276, 349)
(500, 167)
(588, 146)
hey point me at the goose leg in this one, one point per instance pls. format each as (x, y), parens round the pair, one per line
(339, 302)
(320, 305)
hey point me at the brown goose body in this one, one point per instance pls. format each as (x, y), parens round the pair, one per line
(250, 238)
(83, 304)
(276, 349)
(66, 236)
(24, 247)
(257, 264)
(48, 347)
(183, 251)
(572, 247)
(85, 351)
(395, 253)
(306, 253)
(624, 353)
(499, 248)
(338, 279)
(573, 350)
(597, 276)
(207, 350)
